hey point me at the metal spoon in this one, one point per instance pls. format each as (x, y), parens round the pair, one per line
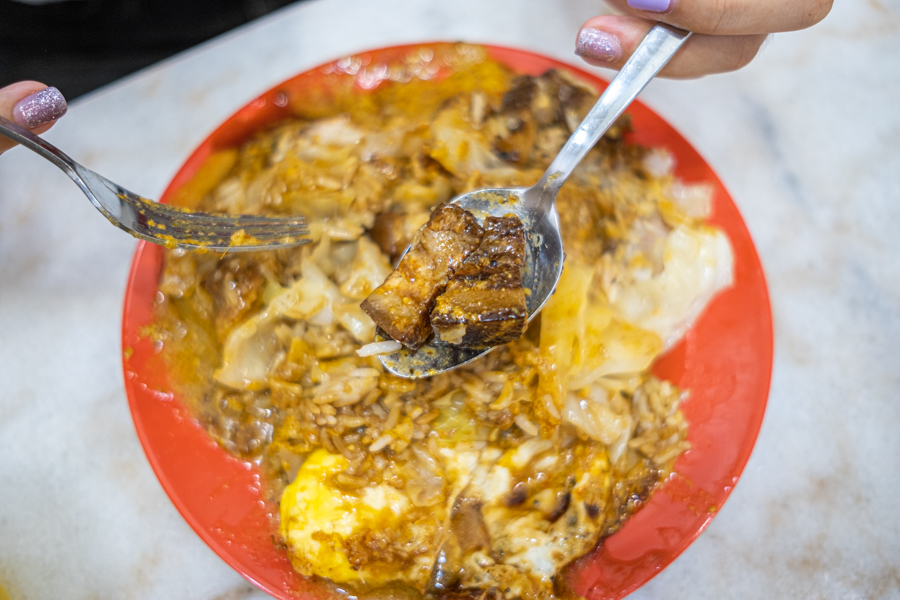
(536, 206)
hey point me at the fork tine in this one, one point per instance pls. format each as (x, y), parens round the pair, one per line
(213, 223)
(225, 246)
(175, 226)
(278, 228)
(164, 213)
(236, 220)
(142, 204)
(214, 231)
(240, 234)
(226, 243)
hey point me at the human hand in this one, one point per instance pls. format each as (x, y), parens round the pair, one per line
(32, 105)
(727, 34)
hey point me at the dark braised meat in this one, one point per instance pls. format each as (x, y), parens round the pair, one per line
(235, 286)
(538, 114)
(394, 231)
(401, 305)
(484, 304)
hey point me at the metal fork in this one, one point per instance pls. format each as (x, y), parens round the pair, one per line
(169, 226)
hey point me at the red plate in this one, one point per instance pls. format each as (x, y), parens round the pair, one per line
(725, 360)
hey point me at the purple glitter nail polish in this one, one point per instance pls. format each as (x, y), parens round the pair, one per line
(40, 108)
(598, 45)
(657, 6)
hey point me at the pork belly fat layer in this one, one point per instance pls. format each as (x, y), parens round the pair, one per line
(484, 304)
(402, 304)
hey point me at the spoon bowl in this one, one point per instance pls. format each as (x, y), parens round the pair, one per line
(535, 206)
(543, 267)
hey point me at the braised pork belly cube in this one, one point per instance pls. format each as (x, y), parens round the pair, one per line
(484, 304)
(402, 304)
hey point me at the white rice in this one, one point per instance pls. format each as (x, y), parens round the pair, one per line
(379, 348)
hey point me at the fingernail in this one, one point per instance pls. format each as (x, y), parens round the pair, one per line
(657, 6)
(599, 45)
(40, 108)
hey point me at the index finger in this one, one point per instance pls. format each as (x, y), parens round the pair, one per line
(730, 17)
(31, 104)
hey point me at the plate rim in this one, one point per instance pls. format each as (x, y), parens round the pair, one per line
(200, 152)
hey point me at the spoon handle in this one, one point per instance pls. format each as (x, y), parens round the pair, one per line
(653, 53)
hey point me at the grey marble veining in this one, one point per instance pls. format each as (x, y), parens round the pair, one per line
(807, 140)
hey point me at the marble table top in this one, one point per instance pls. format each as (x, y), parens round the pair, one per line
(807, 139)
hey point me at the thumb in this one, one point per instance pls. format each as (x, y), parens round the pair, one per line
(32, 105)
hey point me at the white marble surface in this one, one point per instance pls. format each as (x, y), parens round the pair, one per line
(807, 139)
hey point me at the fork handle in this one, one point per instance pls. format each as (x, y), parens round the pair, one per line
(37, 144)
(651, 55)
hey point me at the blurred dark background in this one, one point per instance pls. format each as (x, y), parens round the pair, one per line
(81, 45)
